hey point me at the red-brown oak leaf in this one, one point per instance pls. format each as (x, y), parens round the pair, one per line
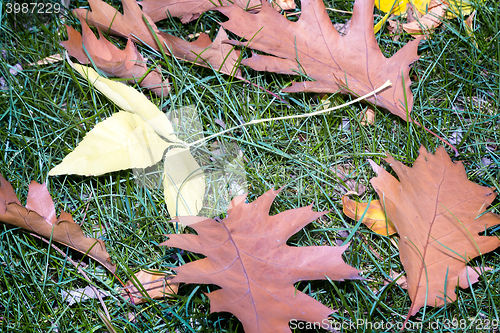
(39, 216)
(247, 256)
(352, 63)
(126, 64)
(221, 57)
(189, 10)
(438, 213)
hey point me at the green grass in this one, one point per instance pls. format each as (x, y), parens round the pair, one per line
(48, 109)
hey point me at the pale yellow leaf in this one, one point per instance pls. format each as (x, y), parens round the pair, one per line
(398, 7)
(120, 142)
(130, 100)
(184, 183)
(460, 7)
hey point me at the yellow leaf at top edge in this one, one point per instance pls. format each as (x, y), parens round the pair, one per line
(460, 8)
(399, 6)
(374, 218)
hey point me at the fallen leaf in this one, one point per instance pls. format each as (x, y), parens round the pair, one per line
(438, 213)
(461, 7)
(469, 27)
(345, 183)
(155, 284)
(130, 100)
(399, 7)
(136, 138)
(184, 183)
(127, 64)
(313, 47)
(374, 216)
(428, 22)
(203, 51)
(82, 294)
(188, 10)
(247, 256)
(222, 162)
(120, 142)
(39, 216)
(401, 280)
(367, 117)
(48, 60)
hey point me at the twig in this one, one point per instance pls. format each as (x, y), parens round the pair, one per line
(304, 115)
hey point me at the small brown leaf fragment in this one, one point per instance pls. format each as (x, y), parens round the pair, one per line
(367, 117)
(156, 284)
(126, 64)
(222, 58)
(438, 214)
(312, 46)
(247, 256)
(429, 21)
(401, 280)
(39, 217)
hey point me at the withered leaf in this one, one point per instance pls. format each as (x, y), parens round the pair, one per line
(438, 213)
(203, 52)
(247, 256)
(374, 216)
(39, 216)
(156, 284)
(352, 63)
(188, 10)
(431, 20)
(127, 63)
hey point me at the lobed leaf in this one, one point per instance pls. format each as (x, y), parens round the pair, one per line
(39, 217)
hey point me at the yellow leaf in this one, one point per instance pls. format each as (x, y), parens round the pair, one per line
(184, 183)
(398, 7)
(120, 142)
(130, 100)
(429, 21)
(375, 217)
(460, 8)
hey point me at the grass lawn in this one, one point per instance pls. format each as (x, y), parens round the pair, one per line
(46, 110)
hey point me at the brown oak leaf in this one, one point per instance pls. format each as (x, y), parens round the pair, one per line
(219, 56)
(247, 256)
(127, 63)
(189, 10)
(39, 216)
(438, 213)
(352, 63)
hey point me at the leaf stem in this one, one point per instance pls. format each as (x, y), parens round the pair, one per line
(304, 115)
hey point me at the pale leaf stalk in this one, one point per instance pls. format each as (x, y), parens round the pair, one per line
(304, 115)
